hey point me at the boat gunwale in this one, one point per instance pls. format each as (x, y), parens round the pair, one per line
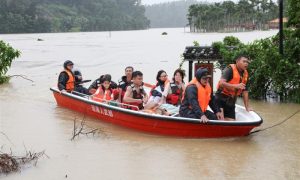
(160, 117)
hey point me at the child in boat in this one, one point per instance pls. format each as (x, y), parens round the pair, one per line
(135, 95)
(97, 83)
(104, 91)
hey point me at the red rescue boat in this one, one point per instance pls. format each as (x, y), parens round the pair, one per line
(159, 124)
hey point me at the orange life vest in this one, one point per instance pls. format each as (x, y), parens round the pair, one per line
(101, 94)
(236, 79)
(70, 85)
(204, 94)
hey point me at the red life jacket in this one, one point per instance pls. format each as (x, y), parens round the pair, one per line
(102, 94)
(175, 97)
(236, 79)
(204, 94)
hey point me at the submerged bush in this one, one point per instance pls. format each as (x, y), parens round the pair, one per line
(7, 54)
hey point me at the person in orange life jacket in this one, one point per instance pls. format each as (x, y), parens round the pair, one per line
(124, 82)
(78, 83)
(233, 83)
(197, 96)
(135, 93)
(104, 92)
(160, 92)
(66, 79)
(97, 83)
(177, 88)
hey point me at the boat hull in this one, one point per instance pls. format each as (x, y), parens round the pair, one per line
(155, 124)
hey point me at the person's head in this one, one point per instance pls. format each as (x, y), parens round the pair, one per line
(137, 78)
(68, 65)
(77, 74)
(202, 75)
(161, 76)
(128, 71)
(242, 62)
(105, 80)
(178, 75)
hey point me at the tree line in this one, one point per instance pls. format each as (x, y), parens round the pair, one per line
(231, 16)
(32, 16)
(170, 14)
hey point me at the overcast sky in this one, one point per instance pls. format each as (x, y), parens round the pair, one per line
(148, 2)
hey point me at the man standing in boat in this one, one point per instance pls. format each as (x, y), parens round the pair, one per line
(197, 97)
(124, 82)
(233, 83)
(135, 94)
(66, 79)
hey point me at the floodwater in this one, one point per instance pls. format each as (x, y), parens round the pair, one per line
(30, 117)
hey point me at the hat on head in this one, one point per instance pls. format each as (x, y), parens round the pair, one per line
(68, 62)
(202, 73)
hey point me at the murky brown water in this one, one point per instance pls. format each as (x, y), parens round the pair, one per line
(30, 116)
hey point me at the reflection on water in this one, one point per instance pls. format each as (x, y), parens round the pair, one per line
(30, 116)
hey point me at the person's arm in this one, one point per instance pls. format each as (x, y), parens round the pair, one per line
(146, 97)
(214, 106)
(62, 81)
(120, 94)
(128, 96)
(246, 100)
(192, 97)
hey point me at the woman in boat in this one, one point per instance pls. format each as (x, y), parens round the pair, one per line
(104, 91)
(135, 95)
(177, 88)
(159, 93)
(197, 97)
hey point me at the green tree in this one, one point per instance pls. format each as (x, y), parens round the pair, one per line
(7, 54)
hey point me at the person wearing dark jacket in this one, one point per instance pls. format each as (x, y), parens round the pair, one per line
(78, 83)
(66, 79)
(197, 97)
(97, 83)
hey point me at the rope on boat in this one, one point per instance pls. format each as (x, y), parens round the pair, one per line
(281, 122)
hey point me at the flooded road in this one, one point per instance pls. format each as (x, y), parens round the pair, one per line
(29, 115)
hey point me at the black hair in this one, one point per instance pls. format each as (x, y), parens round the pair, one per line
(181, 72)
(137, 73)
(106, 77)
(239, 56)
(129, 67)
(201, 72)
(158, 76)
